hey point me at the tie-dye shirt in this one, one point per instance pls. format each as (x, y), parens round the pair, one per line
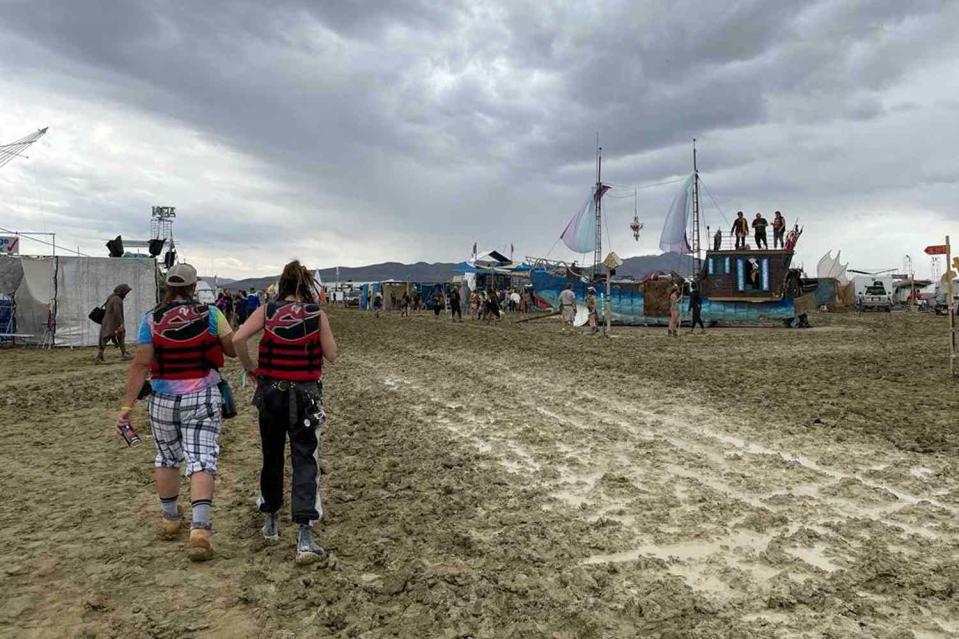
(219, 327)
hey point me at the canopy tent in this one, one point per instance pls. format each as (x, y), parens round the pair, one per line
(205, 292)
(54, 295)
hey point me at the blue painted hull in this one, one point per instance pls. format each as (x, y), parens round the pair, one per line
(628, 309)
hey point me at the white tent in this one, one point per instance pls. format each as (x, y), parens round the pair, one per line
(54, 295)
(205, 293)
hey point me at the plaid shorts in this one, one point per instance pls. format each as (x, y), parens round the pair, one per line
(187, 428)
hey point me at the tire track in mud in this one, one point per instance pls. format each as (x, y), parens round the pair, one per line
(716, 564)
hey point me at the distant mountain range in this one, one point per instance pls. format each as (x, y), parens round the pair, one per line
(636, 267)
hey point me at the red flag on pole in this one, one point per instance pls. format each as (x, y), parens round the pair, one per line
(937, 249)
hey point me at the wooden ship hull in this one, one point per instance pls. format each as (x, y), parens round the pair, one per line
(647, 303)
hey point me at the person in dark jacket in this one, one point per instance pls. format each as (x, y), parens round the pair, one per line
(456, 309)
(740, 230)
(759, 226)
(112, 328)
(696, 307)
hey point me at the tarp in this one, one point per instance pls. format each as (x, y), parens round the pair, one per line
(35, 297)
(56, 294)
(10, 275)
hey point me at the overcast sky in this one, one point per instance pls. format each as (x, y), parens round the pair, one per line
(366, 131)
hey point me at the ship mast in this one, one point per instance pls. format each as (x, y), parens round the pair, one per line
(697, 247)
(598, 195)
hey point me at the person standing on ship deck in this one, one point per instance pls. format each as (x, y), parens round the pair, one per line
(759, 226)
(740, 230)
(779, 230)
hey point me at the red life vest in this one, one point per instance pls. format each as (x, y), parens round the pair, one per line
(183, 346)
(290, 347)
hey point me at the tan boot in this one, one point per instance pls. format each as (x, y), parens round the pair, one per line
(170, 528)
(200, 546)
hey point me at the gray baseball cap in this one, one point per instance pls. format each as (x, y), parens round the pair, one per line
(181, 275)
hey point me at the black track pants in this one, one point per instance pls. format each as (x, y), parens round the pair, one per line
(304, 448)
(697, 319)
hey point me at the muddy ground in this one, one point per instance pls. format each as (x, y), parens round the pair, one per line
(518, 481)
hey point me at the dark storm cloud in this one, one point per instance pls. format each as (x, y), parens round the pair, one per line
(456, 121)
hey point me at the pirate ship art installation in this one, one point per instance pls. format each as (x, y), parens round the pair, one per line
(738, 286)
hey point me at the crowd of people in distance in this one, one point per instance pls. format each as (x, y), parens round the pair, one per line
(238, 306)
(481, 304)
(740, 231)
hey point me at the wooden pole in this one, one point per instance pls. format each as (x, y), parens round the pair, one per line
(609, 302)
(952, 313)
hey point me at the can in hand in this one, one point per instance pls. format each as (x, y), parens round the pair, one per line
(125, 429)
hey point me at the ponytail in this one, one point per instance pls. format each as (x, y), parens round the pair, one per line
(297, 282)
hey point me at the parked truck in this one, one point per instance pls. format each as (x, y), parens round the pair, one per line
(875, 298)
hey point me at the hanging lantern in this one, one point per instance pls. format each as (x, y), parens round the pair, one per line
(636, 227)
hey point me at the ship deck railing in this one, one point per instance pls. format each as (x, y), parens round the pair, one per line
(728, 243)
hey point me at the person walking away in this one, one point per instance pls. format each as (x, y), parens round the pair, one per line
(377, 304)
(591, 309)
(474, 305)
(696, 306)
(241, 306)
(251, 303)
(288, 377)
(406, 304)
(229, 308)
(759, 226)
(439, 302)
(674, 297)
(455, 309)
(221, 303)
(567, 306)
(492, 306)
(779, 230)
(740, 230)
(112, 327)
(416, 299)
(515, 301)
(181, 345)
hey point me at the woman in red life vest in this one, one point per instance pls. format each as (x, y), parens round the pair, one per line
(296, 339)
(181, 344)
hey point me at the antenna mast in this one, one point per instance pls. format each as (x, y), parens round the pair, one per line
(598, 195)
(697, 248)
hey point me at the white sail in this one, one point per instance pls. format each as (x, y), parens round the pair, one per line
(673, 238)
(831, 267)
(580, 233)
